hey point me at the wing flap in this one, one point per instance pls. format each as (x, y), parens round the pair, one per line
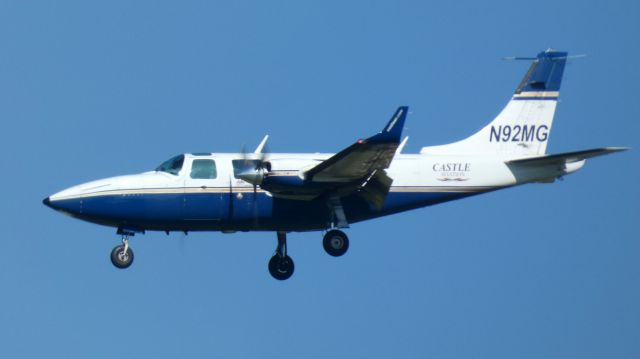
(375, 190)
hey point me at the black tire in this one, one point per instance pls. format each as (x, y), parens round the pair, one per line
(281, 268)
(335, 243)
(120, 259)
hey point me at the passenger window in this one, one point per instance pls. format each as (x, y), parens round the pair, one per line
(203, 169)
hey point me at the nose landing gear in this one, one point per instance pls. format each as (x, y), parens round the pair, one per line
(281, 265)
(122, 255)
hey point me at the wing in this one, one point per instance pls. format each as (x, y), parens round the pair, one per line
(359, 168)
(363, 158)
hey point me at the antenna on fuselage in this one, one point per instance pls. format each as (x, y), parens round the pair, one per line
(516, 58)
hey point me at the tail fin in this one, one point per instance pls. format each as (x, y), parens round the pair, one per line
(523, 126)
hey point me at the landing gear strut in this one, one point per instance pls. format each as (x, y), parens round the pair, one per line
(335, 243)
(122, 255)
(281, 265)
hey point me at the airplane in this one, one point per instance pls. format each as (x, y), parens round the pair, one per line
(292, 192)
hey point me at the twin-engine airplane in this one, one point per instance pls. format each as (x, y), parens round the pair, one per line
(285, 193)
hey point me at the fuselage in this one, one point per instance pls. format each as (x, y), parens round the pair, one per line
(369, 179)
(204, 194)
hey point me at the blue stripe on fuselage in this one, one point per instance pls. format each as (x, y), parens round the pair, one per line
(226, 211)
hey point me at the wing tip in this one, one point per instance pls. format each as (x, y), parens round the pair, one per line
(392, 132)
(616, 149)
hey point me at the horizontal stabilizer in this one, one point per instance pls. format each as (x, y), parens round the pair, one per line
(546, 169)
(567, 157)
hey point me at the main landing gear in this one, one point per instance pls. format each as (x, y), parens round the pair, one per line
(335, 243)
(281, 265)
(122, 255)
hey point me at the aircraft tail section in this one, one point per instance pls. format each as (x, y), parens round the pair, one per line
(524, 125)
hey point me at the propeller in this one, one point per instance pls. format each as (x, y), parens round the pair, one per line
(254, 166)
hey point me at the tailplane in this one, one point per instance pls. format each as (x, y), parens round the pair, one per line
(522, 128)
(548, 168)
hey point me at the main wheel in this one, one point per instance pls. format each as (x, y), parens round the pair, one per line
(335, 243)
(281, 268)
(120, 258)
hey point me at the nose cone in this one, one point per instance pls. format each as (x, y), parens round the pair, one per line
(71, 206)
(51, 203)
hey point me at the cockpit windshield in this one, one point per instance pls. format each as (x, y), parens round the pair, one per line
(172, 165)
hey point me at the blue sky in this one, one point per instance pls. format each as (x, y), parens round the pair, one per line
(96, 89)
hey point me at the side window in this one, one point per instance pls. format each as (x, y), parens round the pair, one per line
(203, 169)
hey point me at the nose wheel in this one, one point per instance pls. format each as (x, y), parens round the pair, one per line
(122, 255)
(281, 266)
(335, 243)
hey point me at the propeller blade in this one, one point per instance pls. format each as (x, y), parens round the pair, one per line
(261, 146)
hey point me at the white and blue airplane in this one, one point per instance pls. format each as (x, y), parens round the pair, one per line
(290, 192)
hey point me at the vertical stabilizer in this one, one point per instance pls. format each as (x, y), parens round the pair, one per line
(523, 126)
